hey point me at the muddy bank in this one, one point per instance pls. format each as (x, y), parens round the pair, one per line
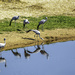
(23, 39)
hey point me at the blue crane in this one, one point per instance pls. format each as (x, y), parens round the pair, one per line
(14, 18)
(42, 22)
(3, 44)
(25, 22)
(35, 31)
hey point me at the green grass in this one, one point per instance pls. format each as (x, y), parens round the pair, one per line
(53, 22)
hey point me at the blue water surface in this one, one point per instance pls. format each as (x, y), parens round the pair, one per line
(49, 59)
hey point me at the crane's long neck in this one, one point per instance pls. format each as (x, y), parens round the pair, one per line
(18, 17)
(38, 26)
(28, 31)
(4, 42)
(10, 22)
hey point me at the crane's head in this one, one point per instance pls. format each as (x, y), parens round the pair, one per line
(27, 22)
(46, 17)
(4, 39)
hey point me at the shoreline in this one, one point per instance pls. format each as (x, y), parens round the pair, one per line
(21, 39)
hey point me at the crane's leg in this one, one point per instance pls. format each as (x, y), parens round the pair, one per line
(42, 46)
(42, 27)
(34, 35)
(26, 27)
(37, 37)
(15, 24)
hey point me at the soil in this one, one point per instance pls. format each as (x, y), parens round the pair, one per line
(23, 39)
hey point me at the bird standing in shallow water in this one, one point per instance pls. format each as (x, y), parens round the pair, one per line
(25, 22)
(35, 31)
(14, 18)
(3, 44)
(42, 22)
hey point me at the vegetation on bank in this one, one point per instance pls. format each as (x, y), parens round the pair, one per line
(53, 22)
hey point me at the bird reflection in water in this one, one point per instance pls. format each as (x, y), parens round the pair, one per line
(43, 52)
(26, 54)
(35, 51)
(2, 59)
(16, 53)
(39, 49)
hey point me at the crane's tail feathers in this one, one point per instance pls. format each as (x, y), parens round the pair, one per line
(10, 23)
(38, 26)
(28, 31)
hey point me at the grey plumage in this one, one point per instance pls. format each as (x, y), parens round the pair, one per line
(14, 18)
(41, 22)
(35, 31)
(25, 22)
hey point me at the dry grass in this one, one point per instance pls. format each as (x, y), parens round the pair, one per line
(37, 8)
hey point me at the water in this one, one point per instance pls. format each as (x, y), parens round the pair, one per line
(49, 59)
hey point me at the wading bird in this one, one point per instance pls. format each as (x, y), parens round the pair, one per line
(25, 22)
(35, 31)
(42, 22)
(14, 18)
(3, 44)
